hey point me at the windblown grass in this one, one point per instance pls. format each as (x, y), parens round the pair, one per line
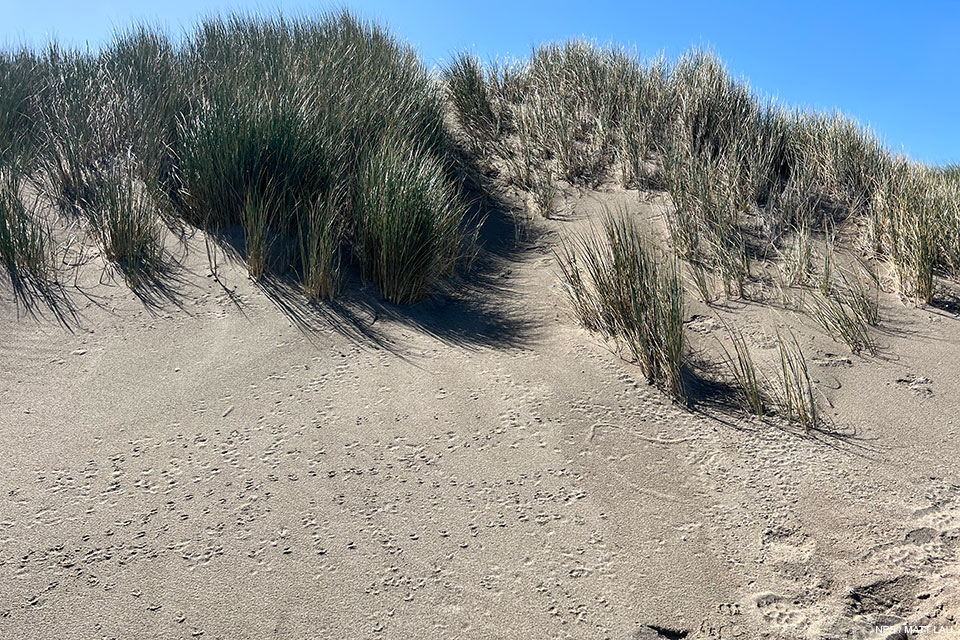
(741, 171)
(795, 392)
(788, 393)
(267, 124)
(25, 240)
(844, 322)
(744, 371)
(862, 293)
(620, 288)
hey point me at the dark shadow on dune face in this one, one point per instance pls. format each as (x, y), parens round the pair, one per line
(475, 308)
(158, 289)
(947, 303)
(848, 440)
(711, 396)
(163, 286)
(38, 300)
(706, 389)
(658, 632)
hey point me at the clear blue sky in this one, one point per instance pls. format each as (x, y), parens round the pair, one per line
(892, 65)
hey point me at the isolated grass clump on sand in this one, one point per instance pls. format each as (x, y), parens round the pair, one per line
(266, 125)
(795, 390)
(788, 393)
(847, 308)
(620, 288)
(740, 364)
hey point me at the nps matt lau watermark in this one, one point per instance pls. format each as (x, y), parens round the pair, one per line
(923, 630)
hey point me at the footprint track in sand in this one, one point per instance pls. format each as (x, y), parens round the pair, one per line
(266, 483)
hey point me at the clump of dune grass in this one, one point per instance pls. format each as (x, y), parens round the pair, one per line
(148, 90)
(701, 284)
(618, 287)
(788, 393)
(847, 306)
(70, 147)
(125, 219)
(917, 224)
(743, 172)
(468, 92)
(259, 213)
(258, 123)
(845, 302)
(744, 372)
(842, 321)
(572, 107)
(241, 151)
(320, 231)
(348, 145)
(795, 390)
(20, 79)
(704, 222)
(545, 194)
(407, 220)
(25, 240)
(862, 293)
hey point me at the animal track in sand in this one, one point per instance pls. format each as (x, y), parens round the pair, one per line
(920, 385)
(832, 360)
(445, 490)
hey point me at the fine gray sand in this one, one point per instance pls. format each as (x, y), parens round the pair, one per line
(228, 462)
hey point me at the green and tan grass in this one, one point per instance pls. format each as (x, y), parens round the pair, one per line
(620, 287)
(270, 125)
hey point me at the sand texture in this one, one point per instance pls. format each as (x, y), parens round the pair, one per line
(226, 461)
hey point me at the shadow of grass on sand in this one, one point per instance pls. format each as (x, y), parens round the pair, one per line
(712, 395)
(57, 297)
(38, 299)
(475, 308)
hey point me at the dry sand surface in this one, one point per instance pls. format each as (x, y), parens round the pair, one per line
(227, 462)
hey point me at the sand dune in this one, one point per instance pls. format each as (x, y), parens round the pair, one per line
(476, 466)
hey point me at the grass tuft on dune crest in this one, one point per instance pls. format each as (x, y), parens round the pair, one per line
(743, 172)
(276, 126)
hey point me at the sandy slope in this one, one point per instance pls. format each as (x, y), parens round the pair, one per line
(217, 466)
